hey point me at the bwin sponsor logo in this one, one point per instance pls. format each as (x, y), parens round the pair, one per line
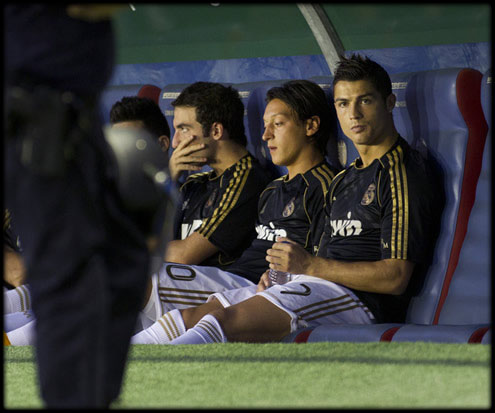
(270, 233)
(346, 227)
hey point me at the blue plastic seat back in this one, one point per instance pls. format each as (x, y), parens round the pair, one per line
(444, 110)
(469, 297)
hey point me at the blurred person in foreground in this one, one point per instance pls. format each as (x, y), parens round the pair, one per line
(85, 253)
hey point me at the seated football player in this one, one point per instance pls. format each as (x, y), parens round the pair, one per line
(209, 130)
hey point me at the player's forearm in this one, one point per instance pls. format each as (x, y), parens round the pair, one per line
(385, 276)
(192, 250)
(175, 252)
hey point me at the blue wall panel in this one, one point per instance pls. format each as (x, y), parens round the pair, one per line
(394, 60)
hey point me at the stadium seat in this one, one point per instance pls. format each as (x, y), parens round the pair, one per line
(487, 338)
(439, 112)
(468, 299)
(113, 94)
(440, 333)
(446, 114)
(344, 332)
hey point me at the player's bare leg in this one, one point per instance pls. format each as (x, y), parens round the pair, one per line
(253, 320)
(192, 315)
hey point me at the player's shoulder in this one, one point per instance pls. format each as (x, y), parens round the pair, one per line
(404, 156)
(196, 178)
(319, 177)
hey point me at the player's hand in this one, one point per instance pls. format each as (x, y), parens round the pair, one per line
(184, 157)
(264, 282)
(288, 256)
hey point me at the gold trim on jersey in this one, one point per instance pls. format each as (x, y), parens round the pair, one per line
(7, 218)
(229, 198)
(400, 204)
(193, 177)
(325, 175)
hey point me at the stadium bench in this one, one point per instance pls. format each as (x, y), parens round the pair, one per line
(113, 94)
(469, 296)
(440, 113)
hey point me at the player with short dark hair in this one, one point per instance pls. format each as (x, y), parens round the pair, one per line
(209, 130)
(146, 113)
(214, 102)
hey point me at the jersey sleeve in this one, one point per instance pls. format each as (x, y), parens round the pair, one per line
(315, 205)
(406, 199)
(231, 225)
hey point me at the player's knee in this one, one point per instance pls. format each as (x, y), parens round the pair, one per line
(192, 315)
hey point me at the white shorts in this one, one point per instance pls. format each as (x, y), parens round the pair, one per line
(310, 302)
(181, 286)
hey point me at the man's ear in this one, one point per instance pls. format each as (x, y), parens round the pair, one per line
(164, 141)
(217, 131)
(312, 125)
(390, 102)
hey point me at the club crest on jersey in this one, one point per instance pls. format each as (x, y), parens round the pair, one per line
(289, 208)
(369, 195)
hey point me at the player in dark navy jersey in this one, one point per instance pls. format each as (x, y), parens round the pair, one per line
(297, 128)
(381, 212)
(214, 204)
(209, 130)
(289, 208)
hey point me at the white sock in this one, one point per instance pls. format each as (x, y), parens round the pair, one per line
(17, 300)
(23, 336)
(207, 330)
(168, 327)
(13, 321)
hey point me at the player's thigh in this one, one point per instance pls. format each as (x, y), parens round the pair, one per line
(312, 302)
(182, 286)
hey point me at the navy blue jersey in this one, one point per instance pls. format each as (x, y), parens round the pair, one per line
(289, 208)
(386, 210)
(222, 208)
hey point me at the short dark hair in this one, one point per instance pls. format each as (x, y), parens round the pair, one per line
(215, 102)
(358, 67)
(133, 108)
(307, 99)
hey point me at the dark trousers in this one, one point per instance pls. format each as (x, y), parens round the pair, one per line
(87, 266)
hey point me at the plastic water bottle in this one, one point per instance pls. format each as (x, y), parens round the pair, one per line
(279, 277)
